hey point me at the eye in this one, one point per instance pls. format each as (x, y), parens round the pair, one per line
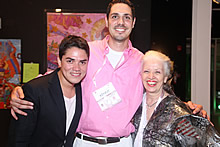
(83, 62)
(157, 72)
(114, 16)
(128, 17)
(70, 61)
(146, 71)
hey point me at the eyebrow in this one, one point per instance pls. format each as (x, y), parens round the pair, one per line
(127, 14)
(84, 60)
(74, 59)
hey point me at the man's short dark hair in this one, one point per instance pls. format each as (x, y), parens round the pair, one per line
(73, 41)
(127, 2)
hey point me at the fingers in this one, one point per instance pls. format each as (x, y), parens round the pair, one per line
(17, 103)
(211, 123)
(16, 96)
(205, 115)
(14, 109)
(13, 114)
(17, 111)
(21, 104)
(199, 109)
(191, 105)
(196, 108)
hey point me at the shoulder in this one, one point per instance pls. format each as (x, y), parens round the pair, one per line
(96, 43)
(97, 48)
(173, 101)
(138, 55)
(44, 80)
(171, 108)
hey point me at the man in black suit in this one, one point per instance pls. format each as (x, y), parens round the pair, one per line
(57, 100)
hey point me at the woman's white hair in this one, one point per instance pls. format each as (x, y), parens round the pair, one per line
(168, 64)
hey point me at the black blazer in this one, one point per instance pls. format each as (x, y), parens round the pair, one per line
(45, 125)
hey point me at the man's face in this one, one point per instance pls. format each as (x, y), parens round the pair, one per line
(120, 22)
(73, 66)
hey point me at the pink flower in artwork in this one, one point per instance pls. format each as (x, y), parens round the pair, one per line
(66, 21)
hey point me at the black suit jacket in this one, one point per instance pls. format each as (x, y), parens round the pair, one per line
(45, 125)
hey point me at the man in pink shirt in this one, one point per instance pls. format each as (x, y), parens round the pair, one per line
(112, 89)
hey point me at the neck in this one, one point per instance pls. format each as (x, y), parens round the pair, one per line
(119, 46)
(152, 97)
(68, 89)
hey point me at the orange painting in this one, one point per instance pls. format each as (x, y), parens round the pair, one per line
(10, 69)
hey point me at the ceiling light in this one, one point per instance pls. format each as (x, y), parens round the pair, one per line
(58, 10)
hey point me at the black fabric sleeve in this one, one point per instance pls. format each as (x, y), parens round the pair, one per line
(25, 125)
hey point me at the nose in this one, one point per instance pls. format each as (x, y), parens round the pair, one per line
(76, 66)
(151, 75)
(121, 20)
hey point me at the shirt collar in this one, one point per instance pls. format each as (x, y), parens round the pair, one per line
(106, 49)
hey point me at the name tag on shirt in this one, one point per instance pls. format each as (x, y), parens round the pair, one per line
(107, 96)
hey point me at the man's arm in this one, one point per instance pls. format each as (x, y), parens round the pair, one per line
(17, 103)
(25, 125)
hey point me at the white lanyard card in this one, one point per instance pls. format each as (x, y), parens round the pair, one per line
(107, 96)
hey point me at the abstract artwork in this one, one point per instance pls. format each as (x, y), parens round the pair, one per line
(90, 26)
(10, 69)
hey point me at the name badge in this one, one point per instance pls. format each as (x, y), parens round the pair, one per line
(107, 96)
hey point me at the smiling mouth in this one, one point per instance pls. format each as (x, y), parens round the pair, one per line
(75, 74)
(151, 83)
(120, 29)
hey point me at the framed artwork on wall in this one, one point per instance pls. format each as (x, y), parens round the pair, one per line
(10, 69)
(90, 26)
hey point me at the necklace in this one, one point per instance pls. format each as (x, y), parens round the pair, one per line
(156, 101)
(151, 104)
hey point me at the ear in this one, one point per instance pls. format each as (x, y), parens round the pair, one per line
(106, 21)
(59, 61)
(134, 22)
(165, 79)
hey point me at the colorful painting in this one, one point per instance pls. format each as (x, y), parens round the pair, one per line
(10, 69)
(90, 26)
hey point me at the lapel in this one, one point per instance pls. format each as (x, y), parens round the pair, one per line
(78, 110)
(57, 95)
(137, 119)
(75, 121)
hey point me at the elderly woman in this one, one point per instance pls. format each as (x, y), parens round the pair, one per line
(163, 119)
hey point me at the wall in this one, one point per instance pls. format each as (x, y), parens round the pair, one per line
(25, 20)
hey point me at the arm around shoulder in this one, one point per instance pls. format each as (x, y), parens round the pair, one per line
(25, 125)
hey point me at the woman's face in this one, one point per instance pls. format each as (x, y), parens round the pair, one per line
(153, 75)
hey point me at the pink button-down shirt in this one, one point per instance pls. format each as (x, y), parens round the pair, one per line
(126, 78)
